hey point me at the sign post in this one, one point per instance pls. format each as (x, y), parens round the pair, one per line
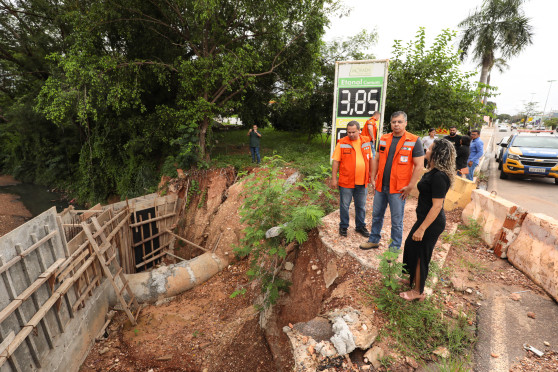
(360, 89)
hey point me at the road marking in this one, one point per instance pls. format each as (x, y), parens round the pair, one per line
(498, 342)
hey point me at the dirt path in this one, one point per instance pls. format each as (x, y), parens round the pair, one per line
(12, 211)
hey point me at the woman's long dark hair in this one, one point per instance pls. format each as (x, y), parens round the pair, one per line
(443, 157)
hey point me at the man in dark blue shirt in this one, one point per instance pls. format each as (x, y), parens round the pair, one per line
(255, 143)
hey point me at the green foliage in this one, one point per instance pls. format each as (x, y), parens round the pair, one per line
(271, 202)
(428, 85)
(551, 123)
(419, 327)
(390, 269)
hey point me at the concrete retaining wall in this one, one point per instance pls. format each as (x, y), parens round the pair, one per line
(492, 213)
(71, 337)
(535, 251)
(458, 196)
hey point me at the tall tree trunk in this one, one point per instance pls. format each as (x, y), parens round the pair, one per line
(487, 62)
(485, 98)
(203, 135)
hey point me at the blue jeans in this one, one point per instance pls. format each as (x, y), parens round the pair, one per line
(345, 197)
(255, 151)
(397, 208)
(471, 171)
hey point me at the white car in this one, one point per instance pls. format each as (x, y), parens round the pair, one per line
(502, 128)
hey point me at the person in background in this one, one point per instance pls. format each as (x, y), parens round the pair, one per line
(462, 156)
(370, 129)
(427, 141)
(255, 143)
(431, 219)
(397, 168)
(453, 136)
(475, 153)
(353, 159)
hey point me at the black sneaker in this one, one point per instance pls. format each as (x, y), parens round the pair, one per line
(362, 231)
(343, 231)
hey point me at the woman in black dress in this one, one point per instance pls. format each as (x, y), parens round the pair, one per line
(462, 154)
(431, 220)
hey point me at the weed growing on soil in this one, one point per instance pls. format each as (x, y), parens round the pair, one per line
(417, 327)
(390, 269)
(464, 235)
(292, 210)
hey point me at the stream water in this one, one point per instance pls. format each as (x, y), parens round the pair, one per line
(35, 198)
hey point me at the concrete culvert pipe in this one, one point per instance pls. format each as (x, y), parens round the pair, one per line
(171, 280)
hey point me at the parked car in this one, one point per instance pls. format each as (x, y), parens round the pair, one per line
(502, 128)
(502, 144)
(514, 126)
(531, 154)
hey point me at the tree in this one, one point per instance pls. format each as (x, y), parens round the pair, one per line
(210, 52)
(529, 110)
(504, 117)
(499, 27)
(428, 85)
(307, 106)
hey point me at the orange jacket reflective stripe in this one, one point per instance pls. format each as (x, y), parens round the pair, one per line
(402, 164)
(374, 124)
(348, 161)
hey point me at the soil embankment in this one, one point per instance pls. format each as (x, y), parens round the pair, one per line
(12, 211)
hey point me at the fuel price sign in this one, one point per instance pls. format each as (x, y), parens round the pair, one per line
(360, 88)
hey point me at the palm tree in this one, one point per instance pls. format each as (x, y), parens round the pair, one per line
(498, 27)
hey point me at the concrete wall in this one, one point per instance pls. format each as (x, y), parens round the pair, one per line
(535, 251)
(71, 337)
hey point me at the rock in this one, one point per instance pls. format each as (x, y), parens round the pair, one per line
(442, 352)
(164, 357)
(469, 290)
(343, 338)
(330, 273)
(318, 329)
(286, 329)
(103, 351)
(493, 355)
(310, 349)
(546, 343)
(374, 355)
(205, 370)
(305, 340)
(531, 315)
(314, 267)
(291, 326)
(289, 266)
(410, 361)
(319, 272)
(515, 296)
(365, 338)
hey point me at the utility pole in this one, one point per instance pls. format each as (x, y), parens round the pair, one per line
(548, 94)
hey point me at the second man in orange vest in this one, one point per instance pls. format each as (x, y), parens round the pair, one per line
(396, 170)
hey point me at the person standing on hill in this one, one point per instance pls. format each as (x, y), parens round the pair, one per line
(397, 168)
(370, 129)
(353, 159)
(255, 143)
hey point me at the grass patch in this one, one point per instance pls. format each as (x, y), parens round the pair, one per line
(418, 328)
(464, 235)
(232, 148)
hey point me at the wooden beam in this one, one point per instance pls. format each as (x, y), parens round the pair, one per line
(152, 220)
(186, 241)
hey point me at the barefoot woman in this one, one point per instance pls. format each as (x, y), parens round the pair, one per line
(431, 220)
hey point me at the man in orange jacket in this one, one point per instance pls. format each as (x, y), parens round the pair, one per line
(353, 159)
(396, 170)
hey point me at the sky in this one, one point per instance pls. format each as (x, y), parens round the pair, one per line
(526, 79)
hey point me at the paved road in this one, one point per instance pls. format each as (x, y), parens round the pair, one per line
(536, 195)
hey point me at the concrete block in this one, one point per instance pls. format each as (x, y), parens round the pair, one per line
(459, 195)
(490, 211)
(535, 251)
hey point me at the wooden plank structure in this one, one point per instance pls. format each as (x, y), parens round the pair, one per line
(52, 265)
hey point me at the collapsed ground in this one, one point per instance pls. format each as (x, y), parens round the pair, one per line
(206, 330)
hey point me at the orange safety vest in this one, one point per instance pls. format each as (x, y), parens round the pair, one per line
(402, 165)
(348, 161)
(365, 132)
